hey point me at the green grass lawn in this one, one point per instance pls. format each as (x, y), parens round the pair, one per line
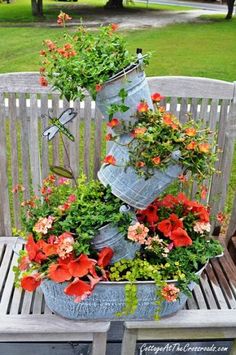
(206, 49)
(20, 10)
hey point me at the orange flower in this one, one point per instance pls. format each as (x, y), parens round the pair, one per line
(114, 26)
(104, 257)
(43, 53)
(142, 107)
(108, 137)
(139, 131)
(170, 292)
(156, 97)
(161, 109)
(43, 81)
(81, 266)
(113, 123)
(191, 132)
(110, 159)
(50, 44)
(62, 18)
(59, 272)
(156, 160)
(24, 263)
(78, 288)
(140, 164)
(18, 188)
(204, 147)
(30, 283)
(42, 69)
(180, 238)
(167, 119)
(204, 192)
(191, 145)
(98, 87)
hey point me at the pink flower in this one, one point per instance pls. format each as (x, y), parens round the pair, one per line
(43, 224)
(138, 233)
(170, 292)
(71, 198)
(201, 227)
(62, 181)
(65, 245)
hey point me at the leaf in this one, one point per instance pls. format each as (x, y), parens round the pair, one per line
(60, 171)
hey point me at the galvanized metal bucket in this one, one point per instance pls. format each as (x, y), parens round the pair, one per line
(107, 299)
(130, 187)
(134, 81)
(110, 236)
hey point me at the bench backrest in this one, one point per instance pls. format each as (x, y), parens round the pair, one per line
(25, 155)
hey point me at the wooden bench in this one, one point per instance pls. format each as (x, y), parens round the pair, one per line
(25, 158)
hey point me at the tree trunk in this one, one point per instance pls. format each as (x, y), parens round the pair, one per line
(37, 8)
(230, 4)
(114, 4)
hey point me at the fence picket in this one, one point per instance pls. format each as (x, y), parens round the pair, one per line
(45, 124)
(14, 157)
(5, 216)
(34, 145)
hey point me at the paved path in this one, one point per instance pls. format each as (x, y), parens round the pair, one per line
(136, 18)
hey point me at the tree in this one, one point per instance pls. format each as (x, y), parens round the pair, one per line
(114, 4)
(37, 7)
(230, 4)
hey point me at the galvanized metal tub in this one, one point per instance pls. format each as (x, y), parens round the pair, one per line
(130, 187)
(110, 236)
(134, 82)
(107, 299)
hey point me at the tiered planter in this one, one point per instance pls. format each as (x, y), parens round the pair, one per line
(110, 236)
(130, 187)
(134, 81)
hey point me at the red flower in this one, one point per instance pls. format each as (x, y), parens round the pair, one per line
(81, 266)
(71, 198)
(43, 81)
(168, 201)
(98, 87)
(114, 26)
(142, 107)
(59, 272)
(108, 137)
(220, 217)
(78, 288)
(31, 247)
(156, 97)
(104, 257)
(175, 221)
(149, 215)
(30, 283)
(113, 123)
(180, 238)
(165, 227)
(110, 159)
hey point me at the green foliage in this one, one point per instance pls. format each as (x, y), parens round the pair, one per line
(190, 140)
(84, 60)
(92, 207)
